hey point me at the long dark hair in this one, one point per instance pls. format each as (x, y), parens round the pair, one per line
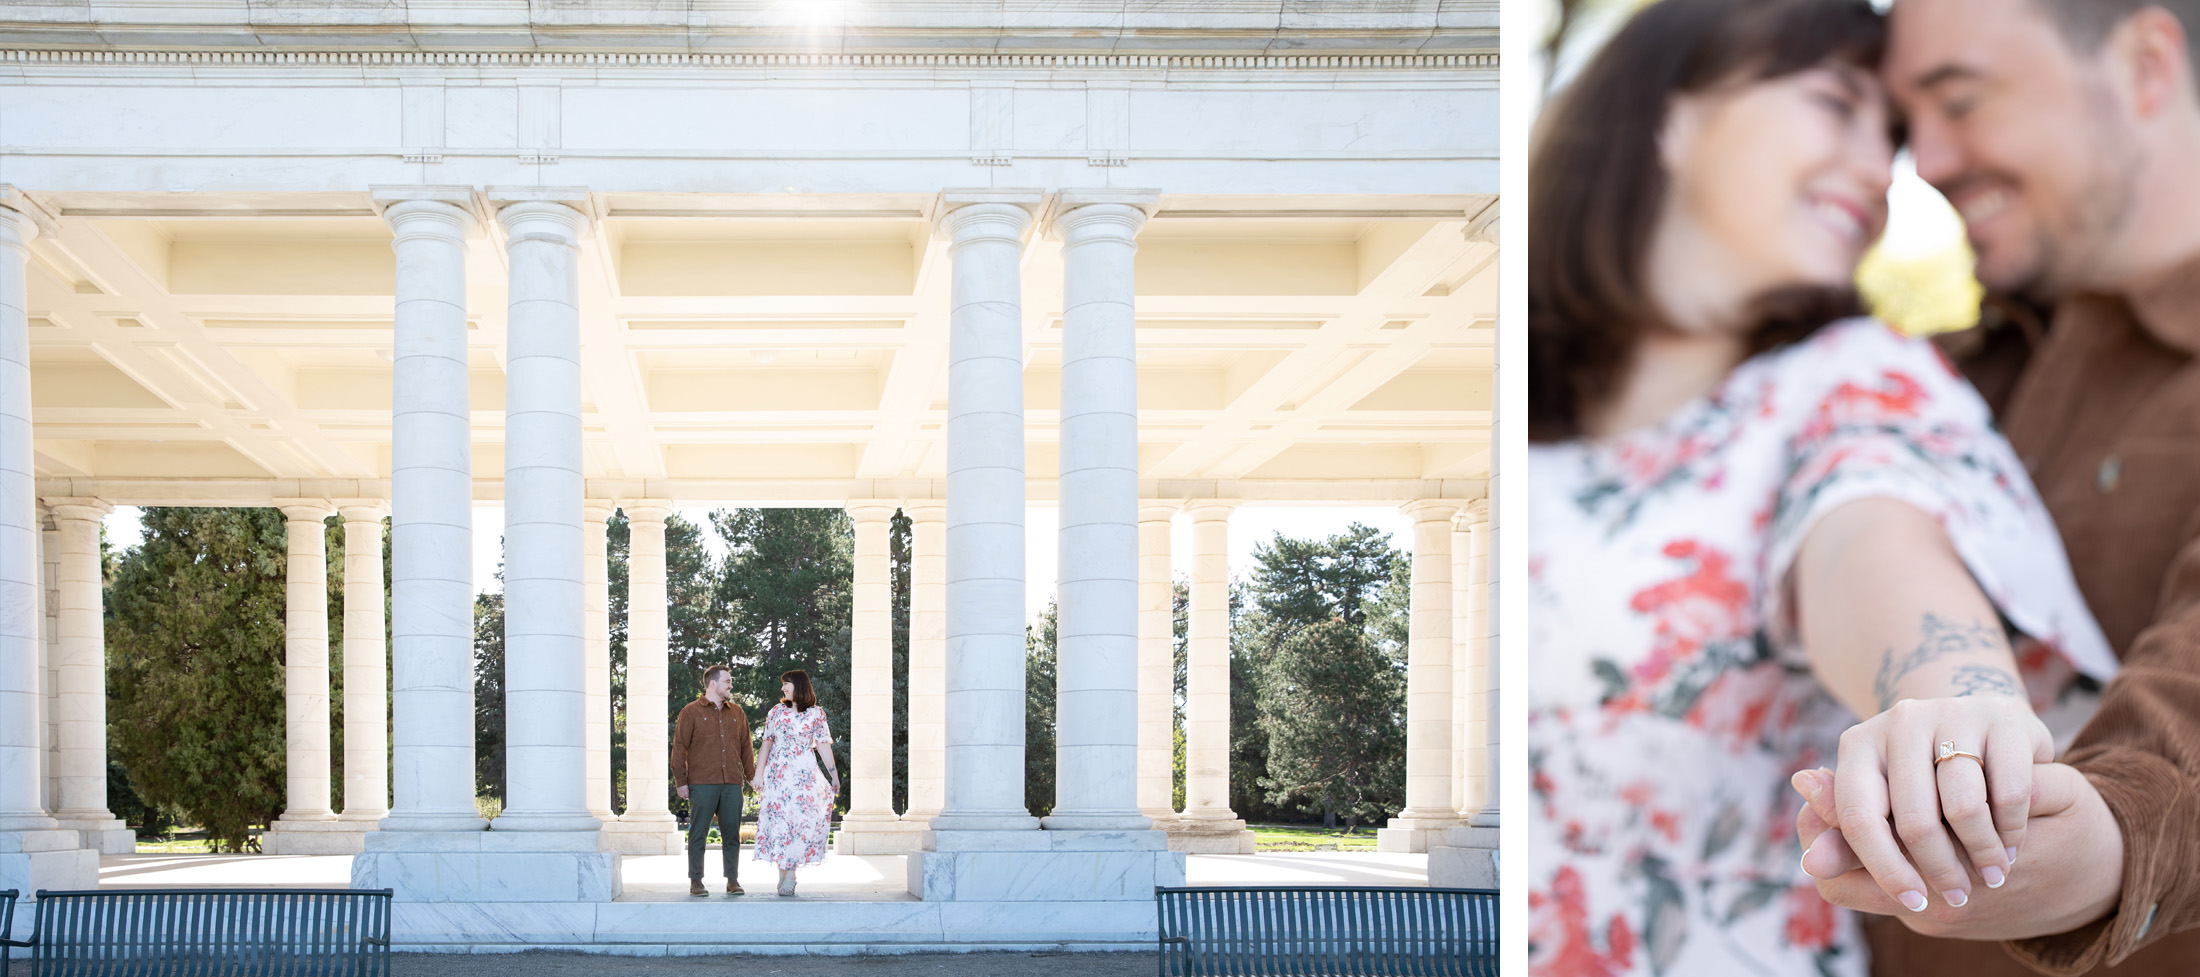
(1597, 185)
(804, 698)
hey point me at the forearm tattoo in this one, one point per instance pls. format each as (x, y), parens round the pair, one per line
(1941, 639)
(1984, 680)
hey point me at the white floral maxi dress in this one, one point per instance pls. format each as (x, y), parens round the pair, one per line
(1669, 701)
(794, 799)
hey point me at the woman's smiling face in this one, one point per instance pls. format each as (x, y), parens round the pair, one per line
(1776, 182)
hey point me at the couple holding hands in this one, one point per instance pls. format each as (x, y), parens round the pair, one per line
(713, 758)
(1924, 616)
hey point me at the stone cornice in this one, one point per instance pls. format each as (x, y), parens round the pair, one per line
(570, 60)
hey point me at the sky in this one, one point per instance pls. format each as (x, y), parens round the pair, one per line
(1250, 526)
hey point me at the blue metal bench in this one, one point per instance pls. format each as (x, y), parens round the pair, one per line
(7, 925)
(1327, 930)
(191, 932)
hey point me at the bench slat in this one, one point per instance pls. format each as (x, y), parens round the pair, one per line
(1327, 930)
(190, 932)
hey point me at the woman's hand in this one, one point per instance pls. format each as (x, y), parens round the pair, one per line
(1888, 777)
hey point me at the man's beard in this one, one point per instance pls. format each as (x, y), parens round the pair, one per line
(2071, 251)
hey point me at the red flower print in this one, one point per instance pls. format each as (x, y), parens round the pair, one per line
(1810, 918)
(1706, 605)
(1559, 928)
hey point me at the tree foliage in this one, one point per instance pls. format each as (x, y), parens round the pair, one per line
(785, 593)
(1333, 717)
(1041, 642)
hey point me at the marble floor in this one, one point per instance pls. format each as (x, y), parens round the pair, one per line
(842, 878)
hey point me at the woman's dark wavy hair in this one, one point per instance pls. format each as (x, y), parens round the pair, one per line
(804, 698)
(1597, 186)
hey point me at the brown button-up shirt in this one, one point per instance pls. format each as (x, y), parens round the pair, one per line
(711, 745)
(2104, 409)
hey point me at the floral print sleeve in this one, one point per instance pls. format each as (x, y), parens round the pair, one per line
(1668, 702)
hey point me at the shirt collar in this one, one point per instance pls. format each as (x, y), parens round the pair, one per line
(2166, 307)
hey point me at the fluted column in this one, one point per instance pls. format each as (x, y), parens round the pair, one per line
(1429, 809)
(1207, 824)
(21, 577)
(596, 625)
(871, 693)
(544, 658)
(81, 707)
(1096, 751)
(1156, 664)
(431, 523)
(366, 666)
(1475, 674)
(985, 521)
(305, 663)
(648, 643)
(927, 661)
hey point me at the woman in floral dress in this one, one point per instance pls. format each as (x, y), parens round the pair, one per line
(794, 818)
(1756, 517)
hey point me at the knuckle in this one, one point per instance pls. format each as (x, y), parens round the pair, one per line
(1914, 827)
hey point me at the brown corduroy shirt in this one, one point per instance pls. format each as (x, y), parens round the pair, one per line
(2104, 409)
(711, 745)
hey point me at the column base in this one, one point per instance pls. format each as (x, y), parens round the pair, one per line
(332, 836)
(868, 836)
(652, 836)
(1413, 834)
(1465, 858)
(1042, 866)
(50, 858)
(107, 836)
(488, 866)
(1210, 836)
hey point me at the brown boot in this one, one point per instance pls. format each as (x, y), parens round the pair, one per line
(695, 888)
(733, 887)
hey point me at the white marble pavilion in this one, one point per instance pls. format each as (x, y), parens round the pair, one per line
(950, 258)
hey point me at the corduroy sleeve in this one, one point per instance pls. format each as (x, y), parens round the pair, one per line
(2141, 751)
(683, 734)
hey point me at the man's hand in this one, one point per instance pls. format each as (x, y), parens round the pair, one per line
(683, 791)
(2070, 872)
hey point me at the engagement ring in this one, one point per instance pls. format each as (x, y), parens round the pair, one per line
(1948, 751)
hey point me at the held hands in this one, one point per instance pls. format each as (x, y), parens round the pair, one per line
(683, 791)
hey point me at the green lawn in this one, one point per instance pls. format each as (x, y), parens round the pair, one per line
(1294, 837)
(182, 842)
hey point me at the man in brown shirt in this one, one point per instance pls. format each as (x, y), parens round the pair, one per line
(2067, 134)
(713, 757)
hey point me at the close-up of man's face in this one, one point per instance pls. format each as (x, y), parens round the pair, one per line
(2019, 130)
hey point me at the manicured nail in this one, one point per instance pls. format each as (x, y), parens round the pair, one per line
(1956, 897)
(1805, 863)
(1993, 876)
(1912, 900)
(2012, 851)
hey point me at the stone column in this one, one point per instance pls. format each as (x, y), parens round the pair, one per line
(544, 689)
(871, 827)
(49, 645)
(1207, 824)
(985, 520)
(1096, 754)
(647, 827)
(1156, 665)
(1429, 811)
(1470, 616)
(431, 528)
(1466, 855)
(81, 706)
(306, 815)
(927, 661)
(596, 627)
(35, 851)
(366, 668)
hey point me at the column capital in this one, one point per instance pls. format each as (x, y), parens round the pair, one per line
(598, 511)
(926, 510)
(871, 511)
(305, 510)
(1211, 510)
(447, 213)
(79, 509)
(647, 510)
(1431, 510)
(16, 227)
(361, 510)
(1482, 228)
(17, 206)
(1084, 215)
(966, 216)
(1158, 510)
(1474, 514)
(549, 218)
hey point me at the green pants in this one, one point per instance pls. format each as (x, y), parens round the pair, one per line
(723, 800)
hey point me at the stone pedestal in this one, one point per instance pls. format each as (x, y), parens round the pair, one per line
(1464, 858)
(488, 866)
(642, 837)
(333, 836)
(895, 837)
(1042, 866)
(45, 859)
(1413, 834)
(1209, 836)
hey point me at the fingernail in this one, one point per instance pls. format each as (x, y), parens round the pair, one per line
(1993, 876)
(1956, 897)
(1912, 900)
(1804, 863)
(2012, 851)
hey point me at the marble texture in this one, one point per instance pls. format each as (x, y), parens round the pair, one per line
(647, 827)
(80, 709)
(596, 630)
(431, 517)
(1156, 664)
(1207, 824)
(1096, 729)
(985, 512)
(1430, 809)
(1475, 672)
(49, 663)
(1465, 857)
(927, 661)
(870, 722)
(544, 686)
(488, 867)
(22, 583)
(771, 926)
(306, 725)
(366, 666)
